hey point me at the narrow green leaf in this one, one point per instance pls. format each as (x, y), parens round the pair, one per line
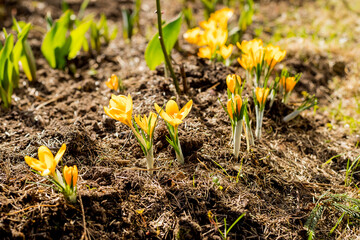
(153, 54)
(5, 54)
(77, 38)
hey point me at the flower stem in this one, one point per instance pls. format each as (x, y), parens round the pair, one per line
(179, 155)
(237, 138)
(259, 120)
(166, 56)
(71, 197)
(150, 159)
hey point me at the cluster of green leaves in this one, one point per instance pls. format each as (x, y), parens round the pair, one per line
(63, 42)
(23, 51)
(9, 75)
(100, 31)
(11, 54)
(343, 203)
(245, 20)
(209, 7)
(130, 19)
(67, 35)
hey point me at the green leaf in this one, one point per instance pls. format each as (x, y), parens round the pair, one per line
(153, 54)
(77, 37)
(55, 39)
(5, 54)
(22, 52)
(113, 33)
(28, 62)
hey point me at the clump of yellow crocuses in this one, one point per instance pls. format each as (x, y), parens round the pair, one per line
(46, 166)
(173, 117)
(121, 108)
(212, 36)
(259, 61)
(236, 109)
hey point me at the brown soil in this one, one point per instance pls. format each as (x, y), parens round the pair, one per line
(280, 178)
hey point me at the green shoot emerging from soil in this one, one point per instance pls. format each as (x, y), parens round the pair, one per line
(343, 203)
(224, 235)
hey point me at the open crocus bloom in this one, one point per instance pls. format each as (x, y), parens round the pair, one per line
(145, 122)
(193, 35)
(47, 163)
(262, 94)
(70, 175)
(273, 55)
(288, 83)
(205, 52)
(120, 108)
(231, 80)
(252, 53)
(113, 82)
(234, 106)
(222, 16)
(172, 114)
(225, 51)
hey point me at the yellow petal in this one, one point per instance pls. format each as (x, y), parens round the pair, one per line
(171, 108)
(186, 109)
(230, 108)
(118, 102)
(261, 94)
(152, 119)
(67, 175)
(107, 112)
(60, 153)
(205, 52)
(47, 157)
(129, 105)
(167, 118)
(142, 122)
(238, 102)
(75, 175)
(225, 52)
(35, 164)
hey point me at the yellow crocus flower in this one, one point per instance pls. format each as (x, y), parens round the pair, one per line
(225, 51)
(222, 16)
(120, 108)
(273, 55)
(231, 80)
(144, 123)
(246, 62)
(47, 163)
(234, 105)
(262, 94)
(216, 38)
(252, 53)
(205, 52)
(113, 82)
(208, 25)
(193, 35)
(288, 83)
(70, 175)
(172, 114)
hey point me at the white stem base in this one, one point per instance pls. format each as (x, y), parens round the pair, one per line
(180, 156)
(291, 116)
(150, 159)
(237, 138)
